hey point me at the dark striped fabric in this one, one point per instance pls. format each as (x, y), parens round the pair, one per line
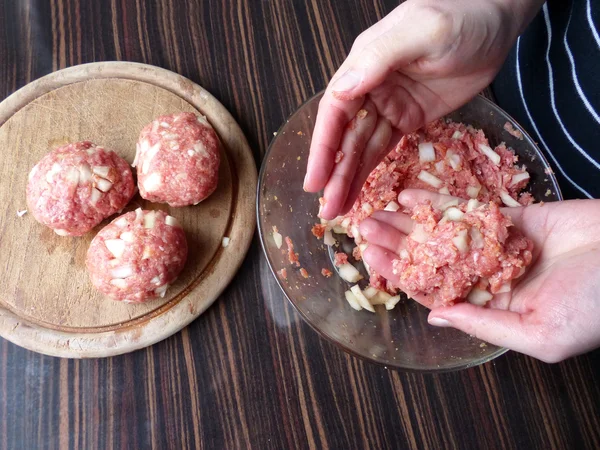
(550, 84)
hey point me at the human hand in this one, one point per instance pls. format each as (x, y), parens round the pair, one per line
(551, 312)
(423, 60)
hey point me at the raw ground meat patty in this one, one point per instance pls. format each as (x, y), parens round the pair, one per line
(470, 250)
(74, 187)
(178, 160)
(137, 256)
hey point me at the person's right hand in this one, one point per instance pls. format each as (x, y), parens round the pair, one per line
(552, 311)
(422, 61)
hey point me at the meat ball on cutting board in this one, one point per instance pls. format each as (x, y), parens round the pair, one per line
(177, 160)
(75, 187)
(137, 256)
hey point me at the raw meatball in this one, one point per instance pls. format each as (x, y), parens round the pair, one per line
(137, 256)
(178, 160)
(470, 250)
(75, 187)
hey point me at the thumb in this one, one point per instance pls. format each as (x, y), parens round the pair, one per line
(498, 327)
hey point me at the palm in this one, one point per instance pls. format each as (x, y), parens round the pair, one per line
(556, 301)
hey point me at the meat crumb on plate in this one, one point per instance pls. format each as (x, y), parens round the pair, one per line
(292, 256)
(340, 258)
(326, 273)
(303, 272)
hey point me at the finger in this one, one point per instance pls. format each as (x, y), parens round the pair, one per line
(383, 140)
(498, 327)
(409, 198)
(355, 137)
(383, 235)
(402, 222)
(333, 117)
(381, 260)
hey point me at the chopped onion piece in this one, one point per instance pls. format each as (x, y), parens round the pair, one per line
(440, 166)
(426, 152)
(444, 191)
(473, 204)
(457, 135)
(61, 232)
(115, 246)
(506, 287)
(339, 229)
(479, 297)
(392, 206)
(370, 292)
(122, 272)
(477, 240)
(21, 213)
(381, 298)
(430, 179)
(127, 236)
(419, 234)
(155, 280)
(139, 214)
(362, 248)
(487, 151)
(404, 254)
(460, 241)
(454, 214)
(352, 300)
(149, 219)
(103, 185)
(508, 200)
(346, 223)
(367, 208)
(147, 252)
(101, 171)
(225, 242)
(119, 282)
(447, 205)
(328, 238)
(171, 221)
(85, 174)
(360, 297)
(519, 177)
(356, 234)
(73, 176)
(349, 273)
(161, 290)
(454, 160)
(473, 191)
(53, 171)
(277, 238)
(153, 182)
(392, 302)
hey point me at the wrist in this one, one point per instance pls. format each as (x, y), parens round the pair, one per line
(519, 13)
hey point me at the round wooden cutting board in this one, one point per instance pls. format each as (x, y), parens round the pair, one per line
(47, 303)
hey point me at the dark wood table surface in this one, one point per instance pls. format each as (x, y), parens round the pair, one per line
(249, 373)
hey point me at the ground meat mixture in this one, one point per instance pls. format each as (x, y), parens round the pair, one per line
(178, 160)
(449, 158)
(470, 250)
(137, 256)
(292, 256)
(75, 187)
(513, 131)
(340, 258)
(326, 273)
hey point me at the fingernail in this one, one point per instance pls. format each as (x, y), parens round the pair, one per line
(438, 322)
(347, 81)
(304, 182)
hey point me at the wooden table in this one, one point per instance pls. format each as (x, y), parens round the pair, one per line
(249, 372)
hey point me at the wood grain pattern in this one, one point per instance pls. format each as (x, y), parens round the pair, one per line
(46, 301)
(249, 373)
